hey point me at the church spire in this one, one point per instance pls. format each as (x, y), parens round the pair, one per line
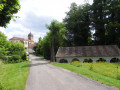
(30, 36)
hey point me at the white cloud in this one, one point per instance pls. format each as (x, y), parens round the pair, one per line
(51, 8)
(34, 14)
(2, 29)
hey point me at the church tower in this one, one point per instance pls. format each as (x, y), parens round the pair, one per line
(30, 36)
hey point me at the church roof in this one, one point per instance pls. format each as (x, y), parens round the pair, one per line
(30, 35)
(88, 51)
(21, 39)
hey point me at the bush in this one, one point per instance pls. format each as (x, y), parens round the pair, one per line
(63, 61)
(101, 60)
(114, 60)
(1, 87)
(91, 67)
(75, 61)
(3, 58)
(24, 56)
(118, 76)
(88, 60)
(14, 59)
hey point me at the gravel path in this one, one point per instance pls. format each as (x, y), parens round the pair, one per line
(43, 76)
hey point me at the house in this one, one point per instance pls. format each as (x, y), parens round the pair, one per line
(107, 53)
(28, 43)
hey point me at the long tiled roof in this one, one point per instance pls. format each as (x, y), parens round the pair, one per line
(88, 51)
(21, 39)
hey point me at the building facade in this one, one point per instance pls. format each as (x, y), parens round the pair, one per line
(109, 53)
(28, 43)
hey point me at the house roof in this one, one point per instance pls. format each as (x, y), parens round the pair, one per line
(88, 51)
(21, 39)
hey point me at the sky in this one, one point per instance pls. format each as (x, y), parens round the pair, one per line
(35, 14)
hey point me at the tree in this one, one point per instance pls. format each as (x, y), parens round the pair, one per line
(3, 42)
(17, 48)
(99, 21)
(3, 39)
(4, 46)
(7, 9)
(77, 22)
(113, 26)
(7, 47)
(57, 33)
(46, 46)
(37, 48)
(106, 21)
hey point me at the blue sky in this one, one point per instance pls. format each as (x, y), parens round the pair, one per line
(35, 14)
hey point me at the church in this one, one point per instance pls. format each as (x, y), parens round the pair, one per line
(28, 43)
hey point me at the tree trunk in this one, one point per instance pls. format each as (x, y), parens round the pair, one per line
(52, 50)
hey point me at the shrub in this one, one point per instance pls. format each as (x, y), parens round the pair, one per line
(63, 61)
(75, 61)
(101, 60)
(3, 58)
(14, 59)
(24, 56)
(1, 87)
(88, 60)
(114, 60)
(118, 76)
(91, 67)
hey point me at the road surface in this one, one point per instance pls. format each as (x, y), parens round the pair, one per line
(43, 76)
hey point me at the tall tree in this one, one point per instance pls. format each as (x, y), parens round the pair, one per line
(7, 9)
(57, 32)
(99, 21)
(37, 48)
(77, 22)
(113, 27)
(46, 46)
(106, 21)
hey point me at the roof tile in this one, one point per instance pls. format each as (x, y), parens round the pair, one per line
(21, 39)
(88, 51)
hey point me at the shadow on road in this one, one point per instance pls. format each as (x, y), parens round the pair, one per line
(37, 59)
(36, 64)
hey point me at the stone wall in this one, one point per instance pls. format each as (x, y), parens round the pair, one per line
(81, 59)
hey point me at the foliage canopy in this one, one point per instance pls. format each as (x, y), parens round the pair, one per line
(7, 9)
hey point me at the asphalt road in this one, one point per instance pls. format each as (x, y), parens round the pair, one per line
(43, 76)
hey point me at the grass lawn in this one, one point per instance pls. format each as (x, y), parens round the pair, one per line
(42, 57)
(106, 73)
(14, 76)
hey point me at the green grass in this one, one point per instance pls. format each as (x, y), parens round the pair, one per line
(103, 72)
(42, 57)
(14, 76)
(0, 62)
